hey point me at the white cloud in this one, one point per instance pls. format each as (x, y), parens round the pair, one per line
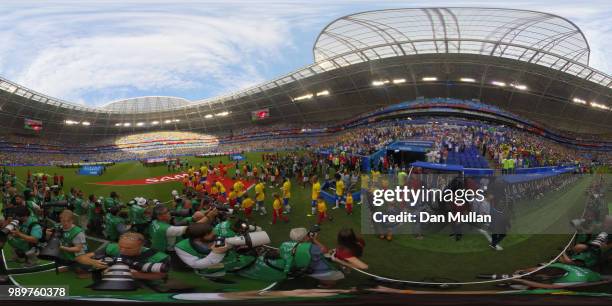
(101, 51)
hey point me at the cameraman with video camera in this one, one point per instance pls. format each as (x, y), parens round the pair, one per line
(24, 237)
(145, 263)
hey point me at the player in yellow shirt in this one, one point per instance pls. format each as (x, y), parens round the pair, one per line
(214, 191)
(321, 209)
(232, 199)
(247, 206)
(287, 194)
(349, 203)
(260, 196)
(277, 209)
(203, 172)
(339, 190)
(221, 188)
(239, 190)
(316, 191)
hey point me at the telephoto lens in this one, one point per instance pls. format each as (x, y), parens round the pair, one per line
(148, 267)
(5, 231)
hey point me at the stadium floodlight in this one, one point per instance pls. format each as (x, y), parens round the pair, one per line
(86, 123)
(498, 83)
(399, 81)
(380, 82)
(117, 124)
(127, 124)
(468, 80)
(579, 101)
(600, 106)
(519, 86)
(429, 79)
(176, 120)
(71, 122)
(304, 97)
(222, 114)
(208, 116)
(323, 93)
(154, 122)
(168, 121)
(140, 124)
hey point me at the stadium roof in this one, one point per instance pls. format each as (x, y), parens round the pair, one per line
(529, 36)
(531, 63)
(146, 104)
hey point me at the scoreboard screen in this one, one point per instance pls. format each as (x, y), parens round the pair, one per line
(31, 124)
(260, 114)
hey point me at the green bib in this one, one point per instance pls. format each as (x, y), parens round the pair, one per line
(110, 226)
(157, 231)
(67, 237)
(224, 229)
(27, 227)
(136, 215)
(575, 274)
(296, 255)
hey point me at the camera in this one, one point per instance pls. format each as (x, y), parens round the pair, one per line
(6, 230)
(219, 242)
(314, 230)
(51, 251)
(599, 241)
(251, 240)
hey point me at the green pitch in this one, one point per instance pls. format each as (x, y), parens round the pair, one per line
(433, 258)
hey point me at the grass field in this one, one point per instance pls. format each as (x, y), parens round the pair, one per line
(435, 257)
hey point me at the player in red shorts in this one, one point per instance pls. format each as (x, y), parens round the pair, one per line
(322, 210)
(277, 209)
(349, 203)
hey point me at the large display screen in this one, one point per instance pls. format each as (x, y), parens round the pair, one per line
(31, 124)
(260, 114)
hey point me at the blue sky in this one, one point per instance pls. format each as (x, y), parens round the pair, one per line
(106, 50)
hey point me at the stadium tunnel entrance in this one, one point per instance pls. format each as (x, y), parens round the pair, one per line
(404, 153)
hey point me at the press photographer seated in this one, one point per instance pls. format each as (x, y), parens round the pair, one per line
(73, 242)
(200, 251)
(131, 250)
(24, 238)
(304, 254)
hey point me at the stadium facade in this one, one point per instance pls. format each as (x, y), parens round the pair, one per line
(531, 63)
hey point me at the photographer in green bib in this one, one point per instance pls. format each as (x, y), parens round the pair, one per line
(115, 223)
(30, 202)
(303, 255)
(145, 263)
(111, 201)
(24, 238)
(57, 202)
(139, 215)
(73, 243)
(163, 235)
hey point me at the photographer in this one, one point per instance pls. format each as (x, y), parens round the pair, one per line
(111, 201)
(57, 196)
(163, 235)
(73, 243)
(304, 254)
(25, 238)
(200, 251)
(130, 248)
(137, 214)
(115, 223)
